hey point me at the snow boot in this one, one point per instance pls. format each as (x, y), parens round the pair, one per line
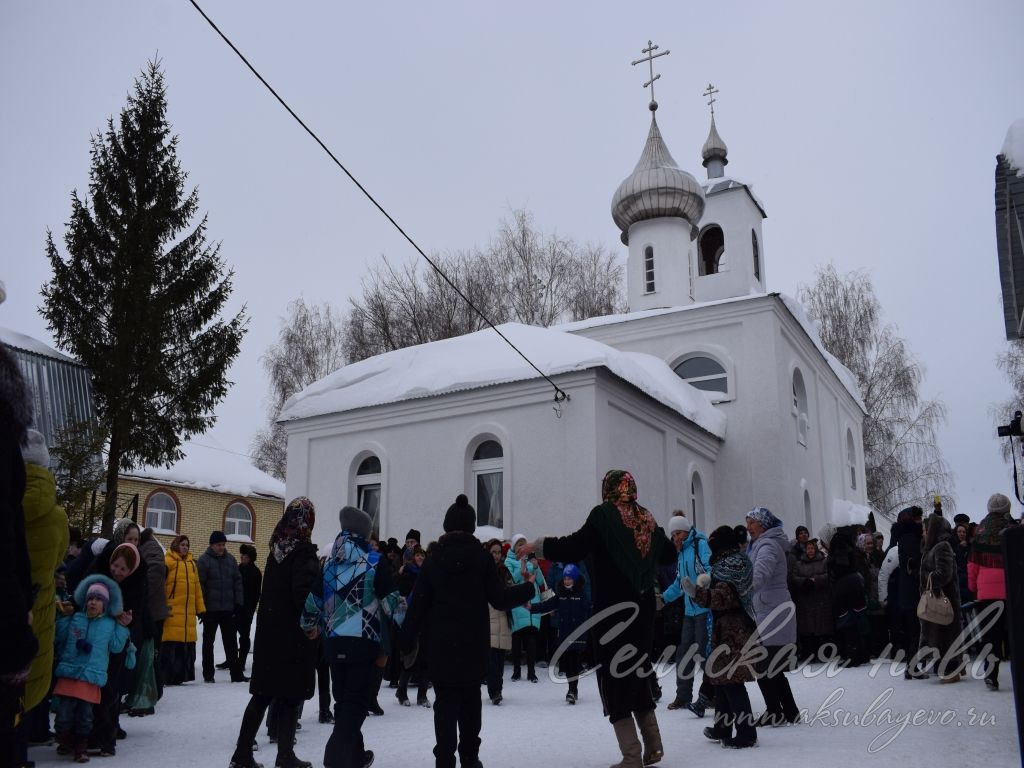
(373, 705)
(696, 707)
(716, 734)
(739, 742)
(367, 759)
(629, 744)
(326, 718)
(81, 749)
(243, 762)
(651, 735)
(570, 698)
(65, 742)
(678, 703)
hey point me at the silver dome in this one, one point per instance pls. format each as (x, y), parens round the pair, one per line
(714, 146)
(656, 188)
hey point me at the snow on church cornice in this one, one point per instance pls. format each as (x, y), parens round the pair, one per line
(482, 359)
(794, 307)
(1013, 147)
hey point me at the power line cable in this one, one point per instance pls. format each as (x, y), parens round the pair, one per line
(560, 395)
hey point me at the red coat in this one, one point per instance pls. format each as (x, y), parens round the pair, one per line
(987, 583)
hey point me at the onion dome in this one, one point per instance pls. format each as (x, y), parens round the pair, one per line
(714, 147)
(656, 188)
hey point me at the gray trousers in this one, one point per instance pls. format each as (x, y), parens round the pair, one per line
(693, 636)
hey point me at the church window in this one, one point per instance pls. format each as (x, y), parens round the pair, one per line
(757, 255)
(162, 513)
(368, 487)
(711, 249)
(800, 407)
(696, 500)
(238, 520)
(704, 373)
(648, 269)
(488, 481)
(851, 459)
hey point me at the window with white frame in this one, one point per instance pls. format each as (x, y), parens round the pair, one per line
(800, 407)
(696, 500)
(851, 459)
(488, 470)
(238, 520)
(368, 486)
(162, 512)
(649, 269)
(704, 373)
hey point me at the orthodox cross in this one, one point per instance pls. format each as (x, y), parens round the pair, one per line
(649, 58)
(710, 92)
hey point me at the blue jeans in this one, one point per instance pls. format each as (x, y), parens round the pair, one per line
(73, 716)
(693, 636)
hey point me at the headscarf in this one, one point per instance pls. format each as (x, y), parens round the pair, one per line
(121, 526)
(733, 567)
(764, 516)
(295, 525)
(130, 553)
(619, 487)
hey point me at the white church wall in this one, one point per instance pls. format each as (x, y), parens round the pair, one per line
(737, 215)
(672, 249)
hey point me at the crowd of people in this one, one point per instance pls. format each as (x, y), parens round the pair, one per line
(109, 623)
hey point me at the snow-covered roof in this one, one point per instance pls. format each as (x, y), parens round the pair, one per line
(723, 183)
(482, 359)
(1013, 146)
(28, 344)
(210, 467)
(796, 309)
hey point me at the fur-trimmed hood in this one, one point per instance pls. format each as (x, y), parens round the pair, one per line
(114, 607)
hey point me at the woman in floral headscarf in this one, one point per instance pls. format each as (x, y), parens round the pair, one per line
(624, 545)
(283, 658)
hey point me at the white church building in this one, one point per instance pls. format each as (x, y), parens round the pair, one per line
(716, 394)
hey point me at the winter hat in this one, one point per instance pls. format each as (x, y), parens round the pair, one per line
(572, 572)
(802, 529)
(98, 546)
(961, 519)
(515, 540)
(825, 534)
(722, 539)
(764, 516)
(129, 552)
(99, 590)
(355, 521)
(460, 516)
(248, 550)
(412, 534)
(998, 504)
(679, 523)
(35, 451)
(218, 537)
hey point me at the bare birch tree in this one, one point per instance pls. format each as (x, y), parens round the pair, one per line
(902, 459)
(309, 346)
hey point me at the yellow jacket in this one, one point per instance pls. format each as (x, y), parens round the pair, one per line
(46, 533)
(184, 598)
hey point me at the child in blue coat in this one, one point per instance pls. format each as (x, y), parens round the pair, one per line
(85, 639)
(573, 608)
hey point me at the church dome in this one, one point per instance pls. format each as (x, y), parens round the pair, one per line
(714, 148)
(656, 188)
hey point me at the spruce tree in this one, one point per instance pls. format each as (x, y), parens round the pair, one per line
(139, 296)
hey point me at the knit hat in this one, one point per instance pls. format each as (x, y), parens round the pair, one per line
(412, 534)
(515, 540)
(998, 504)
(572, 572)
(460, 516)
(679, 523)
(248, 550)
(35, 451)
(764, 516)
(99, 590)
(355, 521)
(722, 539)
(802, 529)
(218, 537)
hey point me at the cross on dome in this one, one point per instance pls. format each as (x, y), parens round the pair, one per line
(711, 91)
(649, 58)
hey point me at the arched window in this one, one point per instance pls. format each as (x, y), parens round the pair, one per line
(368, 485)
(757, 255)
(851, 459)
(807, 510)
(162, 513)
(696, 500)
(712, 250)
(238, 520)
(800, 407)
(704, 373)
(649, 269)
(488, 482)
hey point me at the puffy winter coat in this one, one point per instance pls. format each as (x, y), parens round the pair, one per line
(731, 630)
(573, 609)
(221, 581)
(986, 583)
(501, 622)
(939, 565)
(694, 546)
(156, 578)
(184, 598)
(768, 554)
(521, 617)
(86, 644)
(809, 586)
(46, 533)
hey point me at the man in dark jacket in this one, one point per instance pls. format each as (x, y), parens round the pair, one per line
(453, 589)
(221, 583)
(252, 583)
(906, 535)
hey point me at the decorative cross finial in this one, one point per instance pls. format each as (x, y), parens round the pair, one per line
(710, 92)
(649, 58)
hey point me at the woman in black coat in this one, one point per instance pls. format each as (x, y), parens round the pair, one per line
(284, 659)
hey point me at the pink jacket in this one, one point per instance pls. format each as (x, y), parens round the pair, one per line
(987, 583)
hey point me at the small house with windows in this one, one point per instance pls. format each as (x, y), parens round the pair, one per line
(715, 393)
(210, 489)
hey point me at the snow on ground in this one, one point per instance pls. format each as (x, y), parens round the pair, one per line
(197, 724)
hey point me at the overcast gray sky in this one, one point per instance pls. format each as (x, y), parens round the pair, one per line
(869, 130)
